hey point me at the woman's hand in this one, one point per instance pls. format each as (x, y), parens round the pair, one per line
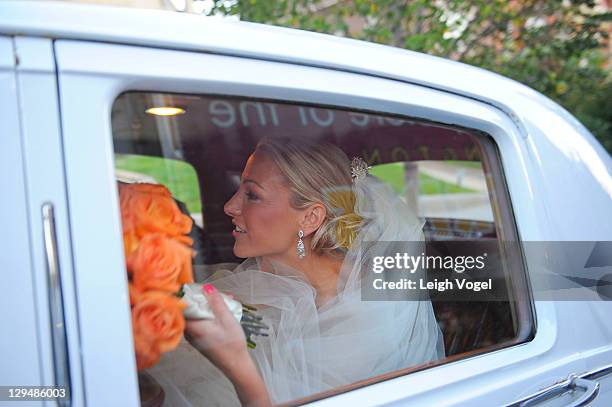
(223, 342)
(222, 339)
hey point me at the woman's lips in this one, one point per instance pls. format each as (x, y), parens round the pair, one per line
(238, 231)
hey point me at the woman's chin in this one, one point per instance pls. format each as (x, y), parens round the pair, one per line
(241, 252)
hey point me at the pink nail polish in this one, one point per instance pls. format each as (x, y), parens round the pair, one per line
(209, 288)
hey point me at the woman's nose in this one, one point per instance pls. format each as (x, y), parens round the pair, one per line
(232, 207)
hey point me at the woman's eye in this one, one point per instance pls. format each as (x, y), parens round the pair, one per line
(251, 196)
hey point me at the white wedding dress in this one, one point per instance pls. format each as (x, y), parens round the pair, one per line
(315, 347)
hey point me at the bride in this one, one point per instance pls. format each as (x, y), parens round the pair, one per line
(307, 221)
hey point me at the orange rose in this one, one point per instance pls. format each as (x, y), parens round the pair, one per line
(130, 244)
(160, 263)
(158, 316)
(157, 189)
(149, 208)
(147, 352)
(134, 293)
(128, 220)
(160, 214)
(145, 212)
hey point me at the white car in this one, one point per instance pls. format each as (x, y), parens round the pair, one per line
(481, 156)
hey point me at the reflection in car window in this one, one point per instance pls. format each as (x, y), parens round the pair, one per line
(450, 177)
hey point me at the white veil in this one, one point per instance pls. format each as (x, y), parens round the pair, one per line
(346, 339)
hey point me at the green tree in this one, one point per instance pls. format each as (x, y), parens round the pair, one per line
(557, 47)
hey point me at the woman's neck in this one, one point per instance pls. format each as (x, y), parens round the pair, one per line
(322, 272)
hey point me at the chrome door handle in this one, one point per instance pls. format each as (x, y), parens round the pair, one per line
(590, 387)
(573, 382)
(56, 307)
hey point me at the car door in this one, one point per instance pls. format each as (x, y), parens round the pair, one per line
(92, 76)
(40, 343)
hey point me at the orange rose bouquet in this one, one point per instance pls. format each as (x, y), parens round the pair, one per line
(158, 257)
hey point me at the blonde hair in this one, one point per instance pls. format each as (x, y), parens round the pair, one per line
(318, 172)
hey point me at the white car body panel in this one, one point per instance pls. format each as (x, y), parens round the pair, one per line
(101, 52)
(17, 285)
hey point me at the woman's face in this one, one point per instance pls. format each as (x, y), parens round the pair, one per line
(265, 222)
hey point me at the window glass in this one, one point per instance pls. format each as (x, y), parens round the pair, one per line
(449, 189)
(178, 176)
(450, 178)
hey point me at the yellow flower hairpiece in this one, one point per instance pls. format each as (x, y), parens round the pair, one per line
(347, 221)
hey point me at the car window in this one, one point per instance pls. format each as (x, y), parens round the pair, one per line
(450, 176)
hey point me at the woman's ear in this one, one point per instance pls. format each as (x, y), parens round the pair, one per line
(313, 218)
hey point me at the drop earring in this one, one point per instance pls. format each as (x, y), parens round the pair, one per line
(301, 252)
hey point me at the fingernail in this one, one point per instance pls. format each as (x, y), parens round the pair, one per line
(209, 288)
